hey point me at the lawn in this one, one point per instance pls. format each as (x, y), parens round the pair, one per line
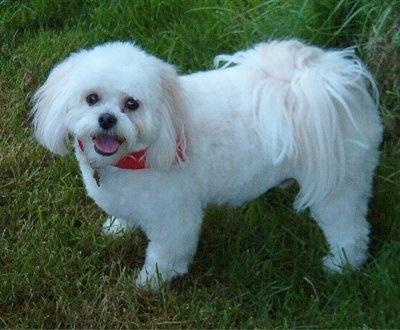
(257, 266)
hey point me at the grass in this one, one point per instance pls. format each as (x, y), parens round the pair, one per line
(257, 266)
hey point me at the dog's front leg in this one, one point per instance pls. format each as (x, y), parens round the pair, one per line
(116, 226)
(172, 246)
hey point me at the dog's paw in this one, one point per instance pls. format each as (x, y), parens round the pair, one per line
(114, 226)
(333, 265)
(339, 264)
(150, 281)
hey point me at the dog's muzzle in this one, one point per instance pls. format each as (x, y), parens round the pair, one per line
(106, 144)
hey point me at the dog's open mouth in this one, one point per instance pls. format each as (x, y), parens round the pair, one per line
(106, 145)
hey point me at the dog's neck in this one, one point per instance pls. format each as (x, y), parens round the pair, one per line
(137, 160)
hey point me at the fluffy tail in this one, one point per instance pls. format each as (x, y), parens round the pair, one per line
(308, 107)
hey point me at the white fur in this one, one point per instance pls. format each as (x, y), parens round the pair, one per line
(277, 111)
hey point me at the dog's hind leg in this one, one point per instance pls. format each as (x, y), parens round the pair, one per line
(342, 217)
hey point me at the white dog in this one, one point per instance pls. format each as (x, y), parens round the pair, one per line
(156, 148)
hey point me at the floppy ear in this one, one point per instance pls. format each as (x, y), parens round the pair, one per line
(50, 108)
(163, 153)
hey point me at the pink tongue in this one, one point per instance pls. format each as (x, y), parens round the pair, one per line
(106, 144)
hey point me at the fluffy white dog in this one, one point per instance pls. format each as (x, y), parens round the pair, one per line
(155, 149)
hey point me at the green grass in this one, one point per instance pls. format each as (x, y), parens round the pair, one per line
(258, 266)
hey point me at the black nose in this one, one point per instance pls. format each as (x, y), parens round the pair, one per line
(107, 120)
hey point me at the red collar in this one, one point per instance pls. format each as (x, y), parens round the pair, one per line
(137, 160)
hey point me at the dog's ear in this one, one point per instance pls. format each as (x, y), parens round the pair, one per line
(50, 104)
(164, 151)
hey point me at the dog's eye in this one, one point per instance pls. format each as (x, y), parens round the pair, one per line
(92, 99)
(131, 104)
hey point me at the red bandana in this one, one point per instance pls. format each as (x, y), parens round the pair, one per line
(137, 160)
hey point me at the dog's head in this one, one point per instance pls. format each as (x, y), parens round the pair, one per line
(115, 99)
